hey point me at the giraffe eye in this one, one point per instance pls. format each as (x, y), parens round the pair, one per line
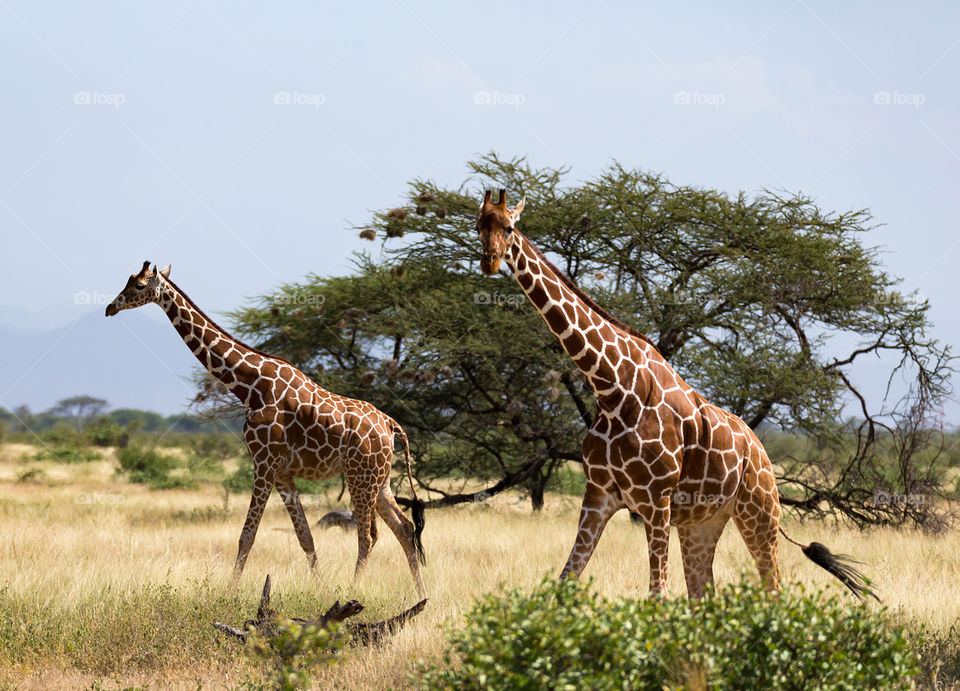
(139, 286)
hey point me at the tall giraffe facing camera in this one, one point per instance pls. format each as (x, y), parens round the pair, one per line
(656, 446)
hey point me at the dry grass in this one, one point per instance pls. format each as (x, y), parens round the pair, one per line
(91, 567)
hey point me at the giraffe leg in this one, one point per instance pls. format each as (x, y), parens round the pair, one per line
(596, 509)
(263, 480)
(698, 544)
(402, 527)
(291, 499)
(757, 515)
(656, 522)
(363, 512)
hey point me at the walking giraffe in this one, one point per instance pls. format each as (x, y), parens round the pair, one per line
(656, 446)
(293, 428)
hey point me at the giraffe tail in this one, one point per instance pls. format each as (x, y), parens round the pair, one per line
(840, 566)
(418, 506)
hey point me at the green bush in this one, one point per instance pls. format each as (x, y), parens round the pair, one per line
(240, 481)
(216, 446)
(66, 453)
(564, 635)
(106, 432)
(61, 434)
(149, 467)
(294, 650)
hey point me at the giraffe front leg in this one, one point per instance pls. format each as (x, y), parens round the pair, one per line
(291, 499)
(596, 509)
(263, 481)
(698, 545)
(656, 522)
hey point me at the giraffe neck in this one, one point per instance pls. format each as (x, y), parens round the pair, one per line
(233, 364)
(600, 349)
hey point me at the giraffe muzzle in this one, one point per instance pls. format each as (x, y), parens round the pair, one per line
(490, 263)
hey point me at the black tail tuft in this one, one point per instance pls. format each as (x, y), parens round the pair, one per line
(418, 521)
(841, 566)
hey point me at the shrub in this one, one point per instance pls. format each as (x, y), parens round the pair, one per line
(216, 446)
(61, 434)
(66, 453)
(106, 432)
(150, 467)
(241, 479)
(940, 659)
(294, 649)
(563, 635)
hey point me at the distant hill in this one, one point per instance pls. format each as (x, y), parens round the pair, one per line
(134, 360)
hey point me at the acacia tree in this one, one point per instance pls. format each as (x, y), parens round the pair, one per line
(82, 409)
(744, 296)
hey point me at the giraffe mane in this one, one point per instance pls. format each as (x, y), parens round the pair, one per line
(589, 301)
(240, 343)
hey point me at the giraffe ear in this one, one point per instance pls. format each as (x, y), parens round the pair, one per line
(165, 271)
(517, 210)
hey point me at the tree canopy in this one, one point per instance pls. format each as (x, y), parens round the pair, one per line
(744, 295)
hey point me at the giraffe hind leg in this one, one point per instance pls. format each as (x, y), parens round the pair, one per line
(403, 528)
(759, 524)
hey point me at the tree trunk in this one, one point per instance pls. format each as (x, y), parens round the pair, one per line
(537, 489)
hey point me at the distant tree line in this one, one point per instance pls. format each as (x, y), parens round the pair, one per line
(87, 418)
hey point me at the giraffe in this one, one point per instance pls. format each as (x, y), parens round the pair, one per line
(293, 428)
(656, 446)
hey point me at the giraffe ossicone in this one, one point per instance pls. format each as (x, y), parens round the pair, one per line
(656, 446)
(293, 428)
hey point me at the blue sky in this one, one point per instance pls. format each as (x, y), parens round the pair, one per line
(240, 141)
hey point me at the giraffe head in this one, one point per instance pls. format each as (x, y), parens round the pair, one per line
(495, 226)
(141, 288)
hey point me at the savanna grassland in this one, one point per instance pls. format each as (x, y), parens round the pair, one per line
(105, 583)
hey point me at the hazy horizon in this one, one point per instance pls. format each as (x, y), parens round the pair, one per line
(241, 142)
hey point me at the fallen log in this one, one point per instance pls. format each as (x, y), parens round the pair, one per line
(361, 633)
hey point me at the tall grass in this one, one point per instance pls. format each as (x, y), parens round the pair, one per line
(103, 580)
